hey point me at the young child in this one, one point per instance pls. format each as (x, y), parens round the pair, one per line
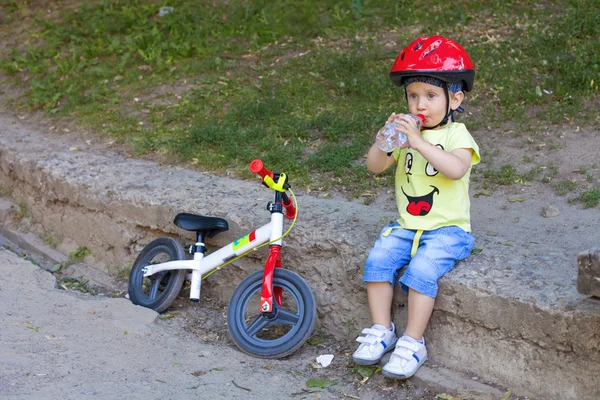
(432, 194)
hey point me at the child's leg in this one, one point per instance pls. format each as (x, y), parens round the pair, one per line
(381, 337)
(380, 296)
(420, 307)
(390, 252)
(438, 252)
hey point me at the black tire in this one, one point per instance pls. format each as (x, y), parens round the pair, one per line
(159, 290)
(281, 332)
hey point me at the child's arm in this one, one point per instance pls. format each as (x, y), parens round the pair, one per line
(453, 165)
(377, 160)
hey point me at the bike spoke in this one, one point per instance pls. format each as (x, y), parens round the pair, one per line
(257, 325)
(154, 288)
(286, 317)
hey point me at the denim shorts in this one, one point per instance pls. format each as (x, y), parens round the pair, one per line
(439, 250)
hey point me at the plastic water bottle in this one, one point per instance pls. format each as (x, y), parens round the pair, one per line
(390, 138)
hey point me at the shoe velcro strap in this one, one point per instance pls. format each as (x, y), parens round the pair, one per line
(414, 347)
(369, 340)
(374, 332)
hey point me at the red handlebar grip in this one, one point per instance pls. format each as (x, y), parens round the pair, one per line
(290, 210)
(257, 167)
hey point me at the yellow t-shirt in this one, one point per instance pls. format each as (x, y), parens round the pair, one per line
(426, 199)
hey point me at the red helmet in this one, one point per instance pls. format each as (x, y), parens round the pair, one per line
(434, 56)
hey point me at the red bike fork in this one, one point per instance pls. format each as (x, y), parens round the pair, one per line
(268, 291)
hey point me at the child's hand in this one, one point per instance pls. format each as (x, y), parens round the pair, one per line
(391, 118)
(409, 127)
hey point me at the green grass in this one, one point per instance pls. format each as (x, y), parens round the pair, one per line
(563, 187)
(302, 84)
(589, 198)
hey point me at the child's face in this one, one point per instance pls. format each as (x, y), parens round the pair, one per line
(430, 101)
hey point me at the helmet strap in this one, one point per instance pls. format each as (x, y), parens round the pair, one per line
(450, 112)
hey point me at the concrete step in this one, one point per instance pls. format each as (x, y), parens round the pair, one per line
(511, 314)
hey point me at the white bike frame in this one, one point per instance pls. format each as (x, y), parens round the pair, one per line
(200, 265)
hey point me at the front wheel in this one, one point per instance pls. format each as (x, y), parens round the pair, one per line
(280, 332)
(160, 289)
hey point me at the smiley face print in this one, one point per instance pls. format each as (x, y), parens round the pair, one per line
(420, 204)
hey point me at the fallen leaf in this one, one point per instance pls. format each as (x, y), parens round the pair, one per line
(320, 383)
(366, 371)
(170, 315)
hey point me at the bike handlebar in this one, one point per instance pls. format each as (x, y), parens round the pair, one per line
(258, 167)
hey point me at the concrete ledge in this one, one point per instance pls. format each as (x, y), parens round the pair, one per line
(510, 315)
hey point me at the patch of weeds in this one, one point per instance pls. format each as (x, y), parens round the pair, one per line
(122, 274)
(318, 337)
(350, 326)
(551, 172)
(79, 254)
(527, 159)
(21, 212)
(79, 284)
(5, 191)
(532, 174)
(33, 261)
(74, 257)
(554, 146)
(505, 175)
(52, 241)
(589, 198)
(590, 178)
(563, 187)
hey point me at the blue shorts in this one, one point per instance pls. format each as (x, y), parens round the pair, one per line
(439, 250)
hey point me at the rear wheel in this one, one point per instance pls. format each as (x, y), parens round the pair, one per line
(160, 289)
(280, 332)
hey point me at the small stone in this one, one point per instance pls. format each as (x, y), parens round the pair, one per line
(475, 378)
(549, 212)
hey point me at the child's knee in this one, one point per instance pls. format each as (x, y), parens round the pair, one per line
(379, 266)
(422, 278)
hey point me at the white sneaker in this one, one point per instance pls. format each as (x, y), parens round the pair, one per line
(377, 341)
(406, 359)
